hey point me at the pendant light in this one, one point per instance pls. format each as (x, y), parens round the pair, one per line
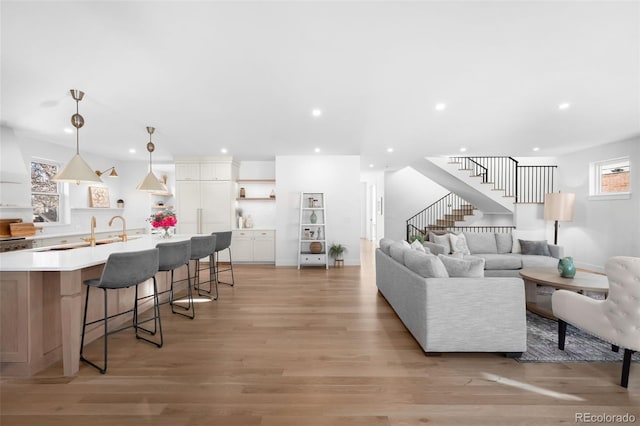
(151, 182)
(77, 170)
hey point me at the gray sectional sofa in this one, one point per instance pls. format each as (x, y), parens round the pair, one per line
(502, 252)
(447, 314)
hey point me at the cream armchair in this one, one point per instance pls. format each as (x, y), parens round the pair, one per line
(615, 320)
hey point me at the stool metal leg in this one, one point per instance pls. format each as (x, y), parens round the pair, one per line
(212, 277)
(190, 306)
(105, 337)
(157, 324)
(230, 268)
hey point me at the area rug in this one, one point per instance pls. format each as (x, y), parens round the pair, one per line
(542, 344)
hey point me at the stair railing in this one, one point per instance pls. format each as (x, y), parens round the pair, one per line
(526, 184)
(435, 215)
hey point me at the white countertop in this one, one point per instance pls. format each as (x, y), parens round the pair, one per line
(44, 259)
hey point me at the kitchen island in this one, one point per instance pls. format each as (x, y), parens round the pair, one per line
(42, 296)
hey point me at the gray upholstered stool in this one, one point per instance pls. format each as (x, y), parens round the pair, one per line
(124, 270)
(173, 255)
(223, 242)
(201, 247)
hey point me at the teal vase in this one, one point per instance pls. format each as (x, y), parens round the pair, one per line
(566, 267)
(313, 217)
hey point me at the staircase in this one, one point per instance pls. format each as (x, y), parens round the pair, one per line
(449, 211)
(483, 185)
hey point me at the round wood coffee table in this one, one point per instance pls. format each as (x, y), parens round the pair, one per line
(541, 304)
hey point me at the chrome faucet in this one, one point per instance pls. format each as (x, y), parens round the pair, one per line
(92, 239)
(124, 227)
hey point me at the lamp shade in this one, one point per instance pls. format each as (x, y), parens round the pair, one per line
(559, 206)
(151, 183)
(77, 171)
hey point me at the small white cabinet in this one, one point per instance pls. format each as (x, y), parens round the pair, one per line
(253, 245)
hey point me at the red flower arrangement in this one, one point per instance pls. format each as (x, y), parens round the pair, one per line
(163, 219)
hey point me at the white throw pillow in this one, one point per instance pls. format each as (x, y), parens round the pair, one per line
(458, 244)
(519, 234)
(406, 244)
(442, 240)
(473, 268)
(417, 245)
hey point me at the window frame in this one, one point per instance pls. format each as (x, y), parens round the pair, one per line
(60, 192)
(596, 169)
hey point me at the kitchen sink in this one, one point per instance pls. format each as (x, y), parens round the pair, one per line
(82, 244)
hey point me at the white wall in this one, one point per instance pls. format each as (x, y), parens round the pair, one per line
(407, 192)
(601, 228)
(339, 178)
(76, 201)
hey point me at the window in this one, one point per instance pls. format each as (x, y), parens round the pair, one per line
(45, 194)
(610, 179)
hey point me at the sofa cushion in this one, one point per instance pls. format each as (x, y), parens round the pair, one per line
(458, 244)
(464, 268)
(481, 242)
(535, 261)
(397, 251)
(504, 242)
(537, 248)
(385, 243)
(443, 240)
(500, 261)
(425, 265)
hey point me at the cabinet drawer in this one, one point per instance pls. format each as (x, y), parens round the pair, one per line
(313, 259)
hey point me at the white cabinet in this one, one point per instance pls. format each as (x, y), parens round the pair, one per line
(312, 240)
(195, 171)
(204, 194)
(203, 207)
(253, 245)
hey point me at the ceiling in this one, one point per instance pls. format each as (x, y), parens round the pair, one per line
(246, 76)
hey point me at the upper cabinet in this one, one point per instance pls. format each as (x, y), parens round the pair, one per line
(204, 170)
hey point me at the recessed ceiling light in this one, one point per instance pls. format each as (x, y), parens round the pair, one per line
(132, 151)
(441, 106)
(536, 149)
(224, 150)
(463, 149)
(370, 165)
(68, 130)
(564, 105)
(389, 149)
(316, 112)
(317, 150)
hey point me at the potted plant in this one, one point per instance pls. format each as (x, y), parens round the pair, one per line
(336, 251)
(416, 237)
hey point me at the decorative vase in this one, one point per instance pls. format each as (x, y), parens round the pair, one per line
(313, 217)
(566, 267)
(248, 222)
(242, 193)
(315, 247)
(166, 232)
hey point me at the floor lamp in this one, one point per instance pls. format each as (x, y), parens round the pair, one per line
(558, 207)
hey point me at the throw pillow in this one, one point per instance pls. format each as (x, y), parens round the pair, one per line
(417, 245)
(463, 268)
(518, 234)
(537, 248)
(425, 265)
(406, 244)
(458, 244)
(443, 240)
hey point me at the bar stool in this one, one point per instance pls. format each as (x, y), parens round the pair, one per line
(124, 270)
(223, 242)
(201, 247)
(172, 256)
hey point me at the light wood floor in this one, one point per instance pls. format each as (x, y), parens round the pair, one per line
(311, 347)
